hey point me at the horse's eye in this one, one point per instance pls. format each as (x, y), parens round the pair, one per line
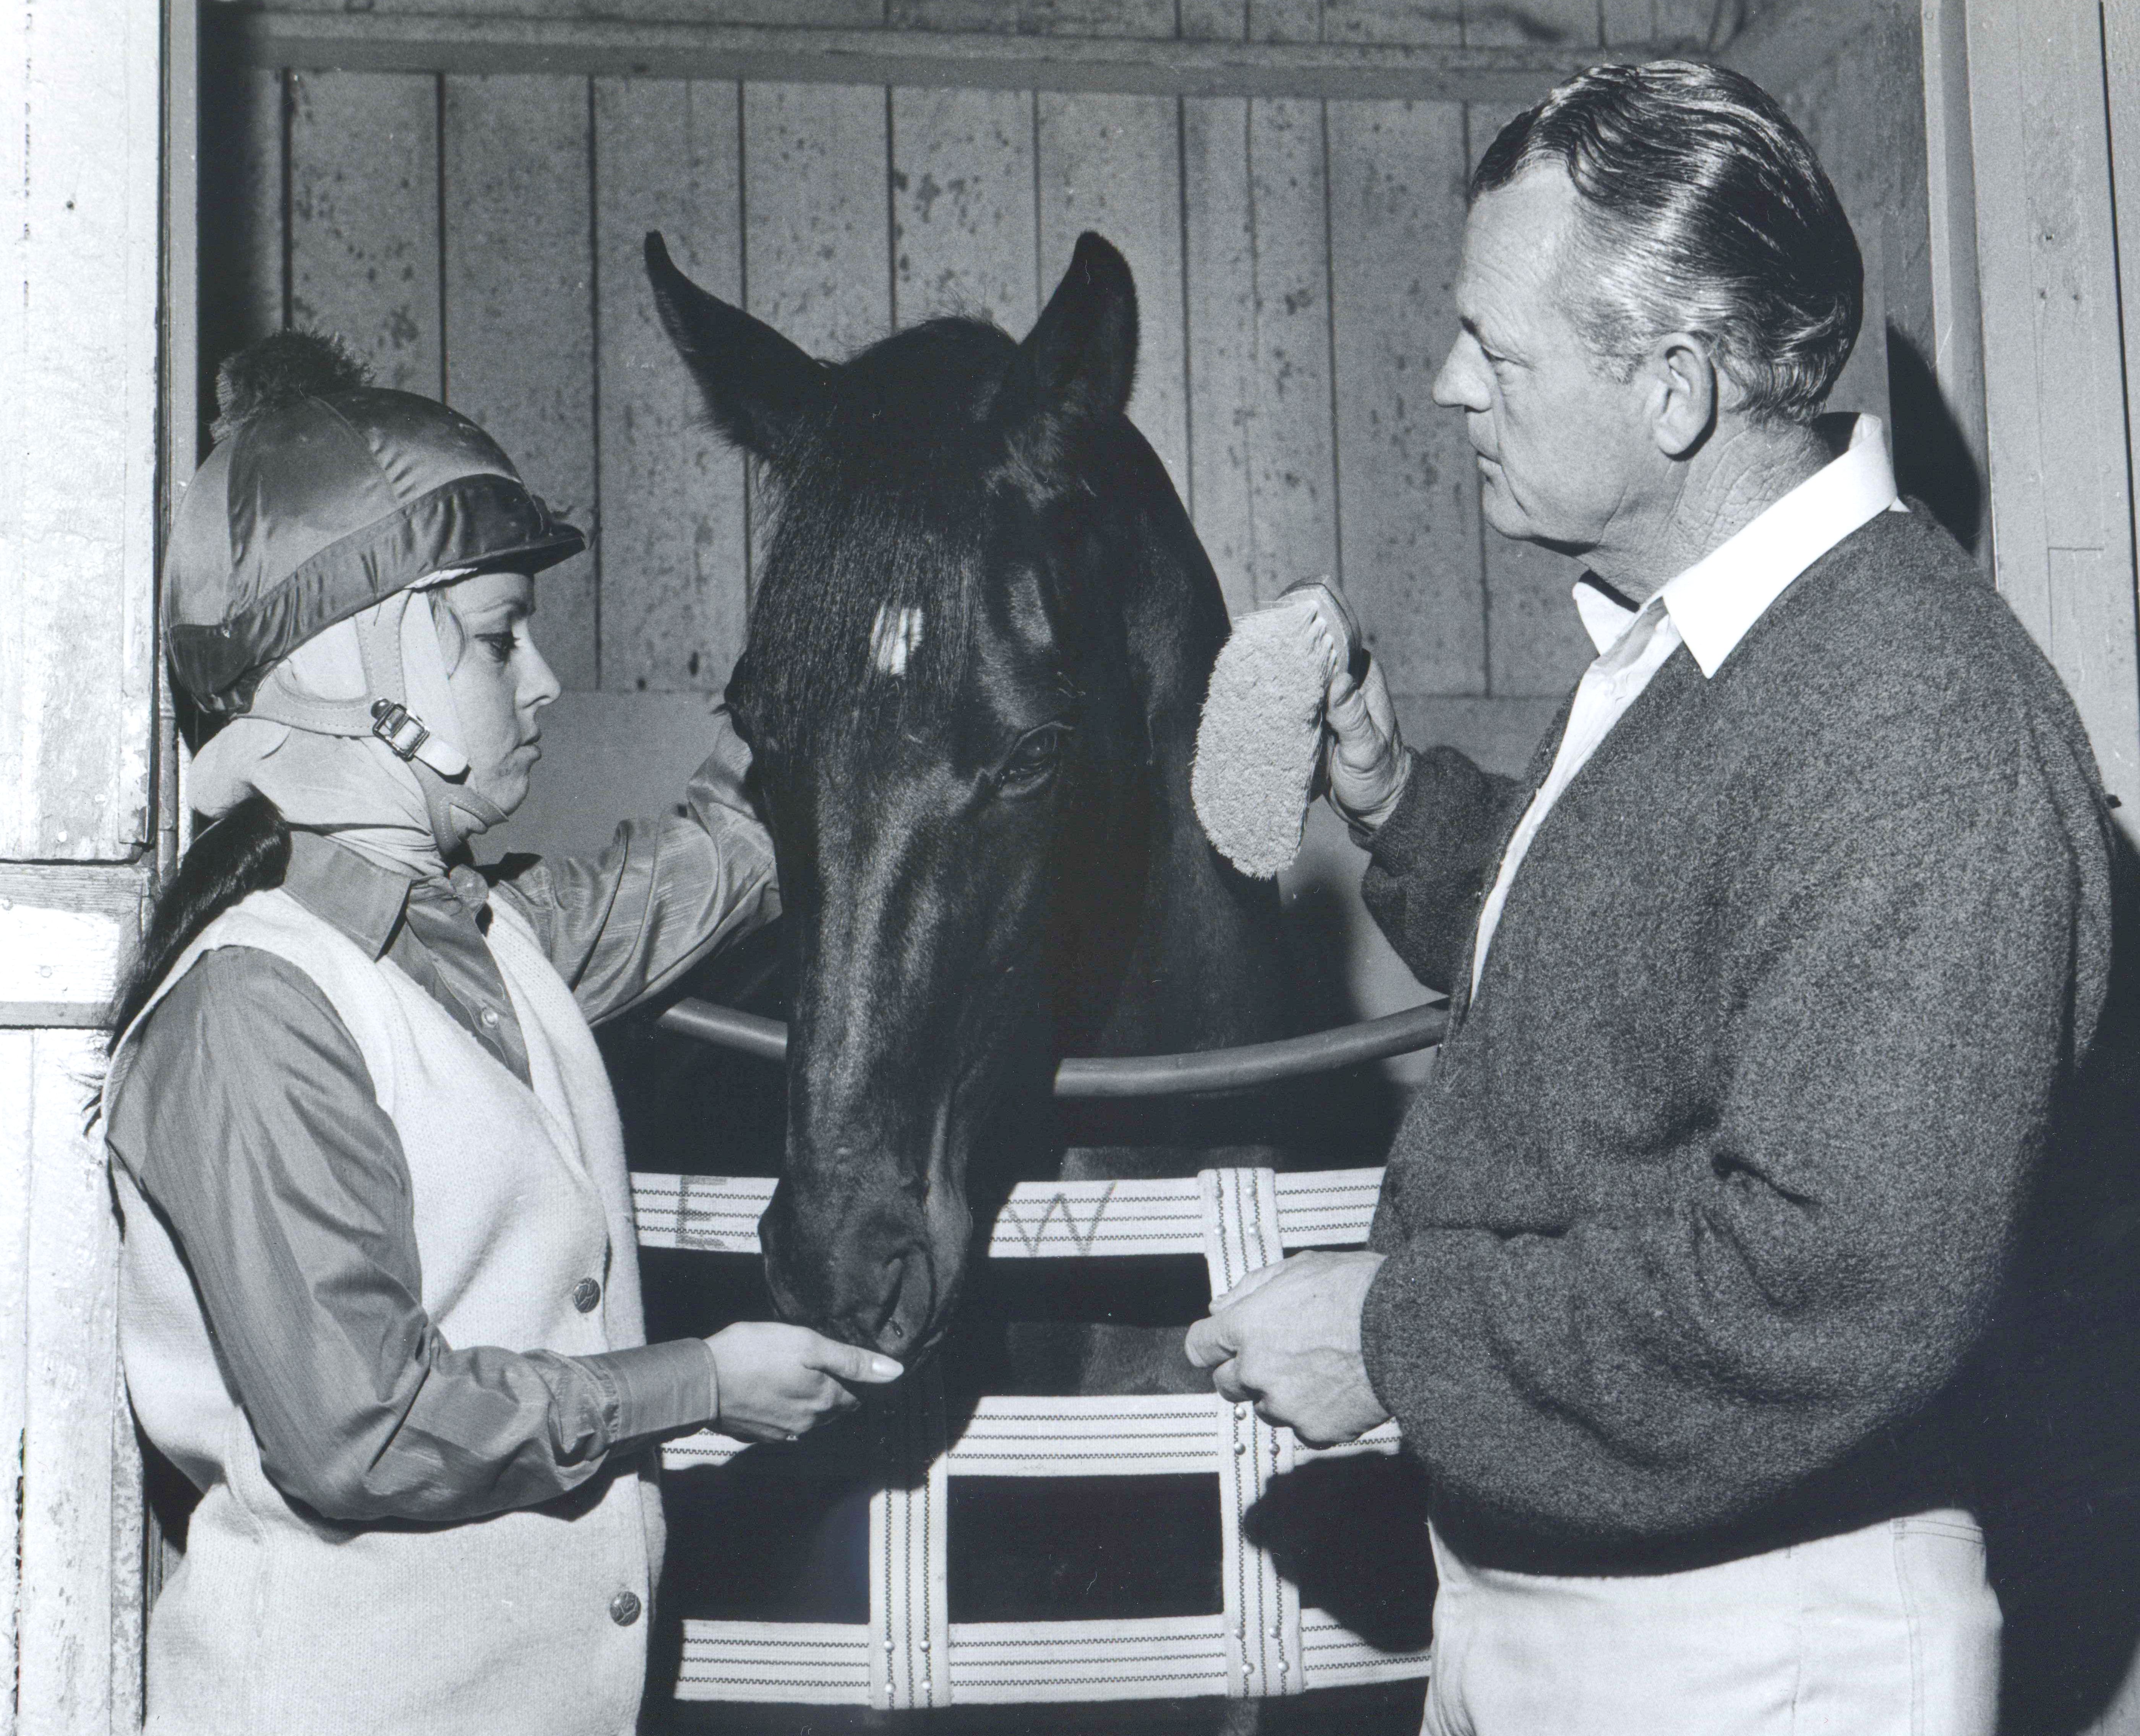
(1032, 762)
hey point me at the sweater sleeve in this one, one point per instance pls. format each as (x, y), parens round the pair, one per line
(1430, 865)
(1822, 1246)
(248, 1118)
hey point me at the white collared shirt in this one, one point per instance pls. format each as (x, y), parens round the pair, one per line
(1709, 609)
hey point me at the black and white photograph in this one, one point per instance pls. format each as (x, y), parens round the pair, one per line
(1069, 868)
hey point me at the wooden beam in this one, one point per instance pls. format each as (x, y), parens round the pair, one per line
(379, 42)
(70, 931)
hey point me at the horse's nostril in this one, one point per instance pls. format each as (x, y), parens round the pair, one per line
(913, 1281)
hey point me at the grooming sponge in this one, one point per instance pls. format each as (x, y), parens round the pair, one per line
(1262, 730)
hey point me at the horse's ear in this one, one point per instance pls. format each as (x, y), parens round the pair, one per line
(1076, 365)
(764, 394)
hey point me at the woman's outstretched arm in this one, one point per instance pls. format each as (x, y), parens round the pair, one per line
(622, 924)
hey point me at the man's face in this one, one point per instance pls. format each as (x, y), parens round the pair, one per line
(499, 680)
(1561, 445)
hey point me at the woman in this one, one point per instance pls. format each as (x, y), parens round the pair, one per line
(380, 1293)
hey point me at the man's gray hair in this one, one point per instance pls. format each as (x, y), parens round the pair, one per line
(1703, 210)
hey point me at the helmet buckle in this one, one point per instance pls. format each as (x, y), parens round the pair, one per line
(398, 726)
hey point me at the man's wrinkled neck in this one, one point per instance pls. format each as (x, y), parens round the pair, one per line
(1698, 503)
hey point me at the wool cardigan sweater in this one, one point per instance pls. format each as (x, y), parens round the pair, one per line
(1695, 1226)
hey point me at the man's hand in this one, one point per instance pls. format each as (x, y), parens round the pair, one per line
(1287, 1339)
(1364, 765)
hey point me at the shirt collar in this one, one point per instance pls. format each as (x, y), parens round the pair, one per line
(1715, 601)
(362, 898)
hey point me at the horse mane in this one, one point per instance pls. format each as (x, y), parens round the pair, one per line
(883, 519)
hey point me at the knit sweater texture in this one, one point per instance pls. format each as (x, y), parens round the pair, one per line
(1695, 1227)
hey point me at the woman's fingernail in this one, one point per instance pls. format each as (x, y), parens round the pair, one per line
(885, 1369)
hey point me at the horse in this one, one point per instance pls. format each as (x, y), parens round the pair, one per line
(978, 648)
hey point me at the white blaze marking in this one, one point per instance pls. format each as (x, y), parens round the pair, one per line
(894, 637)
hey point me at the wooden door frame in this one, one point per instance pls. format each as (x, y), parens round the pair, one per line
(86, 108)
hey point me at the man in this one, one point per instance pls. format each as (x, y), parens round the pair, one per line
(1766, 985)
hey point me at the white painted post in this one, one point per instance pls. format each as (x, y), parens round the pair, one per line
(81, 118)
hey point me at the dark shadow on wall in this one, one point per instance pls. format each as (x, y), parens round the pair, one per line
(2061, 1478)
(1933, 460)
(236, 191)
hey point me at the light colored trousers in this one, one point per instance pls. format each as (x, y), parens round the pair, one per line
(1892, 1630)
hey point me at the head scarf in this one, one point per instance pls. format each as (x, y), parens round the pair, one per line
(354, 788)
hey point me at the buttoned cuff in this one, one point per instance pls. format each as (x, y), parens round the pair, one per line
(660, 1388)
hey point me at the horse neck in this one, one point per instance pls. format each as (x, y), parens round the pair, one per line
(1202, 965)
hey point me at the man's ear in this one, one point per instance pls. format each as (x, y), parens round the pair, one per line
(764, 394)
(1685, 393)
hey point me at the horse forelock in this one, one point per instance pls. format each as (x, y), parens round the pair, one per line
(866, 605)
(870, 589)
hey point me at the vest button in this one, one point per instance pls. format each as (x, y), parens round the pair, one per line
(586, 1294)
(624, 1608)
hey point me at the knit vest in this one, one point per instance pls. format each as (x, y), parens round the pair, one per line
(281, 1623)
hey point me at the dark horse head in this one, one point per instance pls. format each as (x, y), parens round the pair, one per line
(977, 648)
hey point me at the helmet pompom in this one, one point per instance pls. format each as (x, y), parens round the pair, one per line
(281, 369)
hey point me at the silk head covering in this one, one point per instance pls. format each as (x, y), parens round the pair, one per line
(354, 788)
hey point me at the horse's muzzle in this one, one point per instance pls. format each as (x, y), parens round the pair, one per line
(870, 1273)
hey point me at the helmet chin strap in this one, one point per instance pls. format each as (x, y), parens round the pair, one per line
(457, 813)
(407, 704)
(402, 655)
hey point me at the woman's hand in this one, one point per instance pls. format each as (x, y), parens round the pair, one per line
(776, 1382)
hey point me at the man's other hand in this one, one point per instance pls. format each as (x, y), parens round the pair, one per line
(1289, 1344)
(1364, 763)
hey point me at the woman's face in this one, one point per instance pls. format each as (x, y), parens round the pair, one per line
(499, 680)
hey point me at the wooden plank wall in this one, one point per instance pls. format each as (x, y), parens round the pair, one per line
(2053, 379)
(1295, 259)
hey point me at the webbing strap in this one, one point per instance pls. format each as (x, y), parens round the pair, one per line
(910, 1551)
(1142, 1435)
(911, 1655)
(1241, 1234)
(1043, 1219)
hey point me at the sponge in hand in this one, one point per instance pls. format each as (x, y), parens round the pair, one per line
(1261, 736)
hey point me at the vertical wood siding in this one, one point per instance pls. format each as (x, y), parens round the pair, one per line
(363, 219)
(965, 236)
(674, 550)
(1294, 261)
(1113, 164)
(818, 213)
(519, 312)
(1408, 495)
(2061, 505)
